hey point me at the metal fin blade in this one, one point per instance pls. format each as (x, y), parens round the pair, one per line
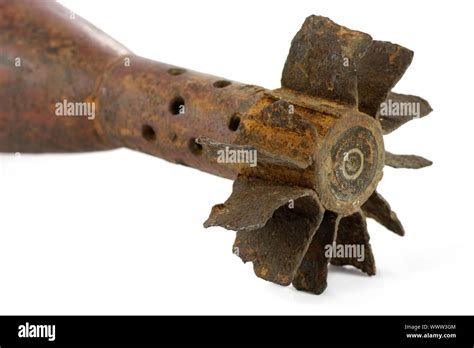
(379, 70)
(377, 208)
(322, 60)
(352, 231)
(391, 122)
(313, 271)
(214, 150)
(253, 202)
(406, 161)
(277, 249)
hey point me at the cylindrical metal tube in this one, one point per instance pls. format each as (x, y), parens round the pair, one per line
(160, 109)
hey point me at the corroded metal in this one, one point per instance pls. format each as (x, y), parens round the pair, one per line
(317, 140)
(377, 208)
(46, 57)
(352, 230)
(406, 161)
(313, 270)
(393, 122)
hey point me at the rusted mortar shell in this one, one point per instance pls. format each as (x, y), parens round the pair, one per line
(318, 138)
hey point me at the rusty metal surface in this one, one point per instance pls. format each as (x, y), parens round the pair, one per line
(55, 59)
(378, 209)
(260, 197)
(179, 108)
(313, 271)
(383, 64)
(323, 60)
(393, 122)
(406, 161)
(352, 230)
(317, 141)
(277, 249)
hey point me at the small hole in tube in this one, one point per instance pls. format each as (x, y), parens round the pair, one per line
(148, 133)
(176, 71)
(195, 148)
(234, 122)
(177, 105)
(221, 83)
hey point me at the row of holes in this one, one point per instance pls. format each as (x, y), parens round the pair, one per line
(217, 84)
(177, 104)
(149, 134)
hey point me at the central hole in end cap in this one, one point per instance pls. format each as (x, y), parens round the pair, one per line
(352, 164)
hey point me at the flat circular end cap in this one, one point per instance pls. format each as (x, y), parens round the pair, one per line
(350, 162)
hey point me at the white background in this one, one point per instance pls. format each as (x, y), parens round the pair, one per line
(121, 232)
